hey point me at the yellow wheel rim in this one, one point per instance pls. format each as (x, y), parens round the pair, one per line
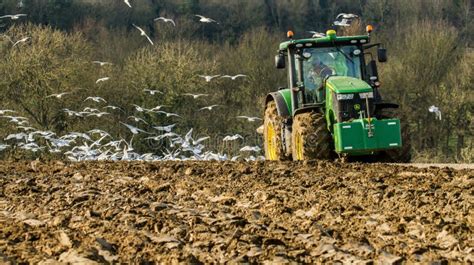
(271, 142)
(299, 147)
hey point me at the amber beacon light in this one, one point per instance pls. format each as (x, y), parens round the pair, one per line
(369, 29)
(290, 34)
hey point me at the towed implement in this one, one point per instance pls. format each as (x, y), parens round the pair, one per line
(332, 106)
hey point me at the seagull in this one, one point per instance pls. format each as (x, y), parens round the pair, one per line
(317, 34)
(250, 119)
(17, 120)
(3, 147)
(435, 110)
(209, 107)
(232, 137)
(167, 128)
(138, 108)
(137, 119)
(127, 2)
(233, 77)
(102, 79)
(13, 17)
(98, 114)
(195, 96)
(166, 20)
(168, 114)
(347, 16)
(155, 109)
(343, 23)
(133, 129)
(250, 149)
(152, 92)
(58, 95)
(20, 41)
(101, 63)
(209, 77)
(96, 99)
(205, 19)
(142, 33)
(73, 113)
(4, 111)
(196, 142)
(113, 107)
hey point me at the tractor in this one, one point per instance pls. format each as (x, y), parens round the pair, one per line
(331, 107)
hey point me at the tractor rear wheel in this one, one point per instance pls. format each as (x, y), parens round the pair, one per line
(310, 137)
(272, 128)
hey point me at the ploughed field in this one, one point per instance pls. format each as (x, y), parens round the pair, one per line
(217, 212)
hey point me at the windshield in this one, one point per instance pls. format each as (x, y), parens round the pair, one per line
(341, 61)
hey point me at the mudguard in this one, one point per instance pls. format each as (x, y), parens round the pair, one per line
(283, 107)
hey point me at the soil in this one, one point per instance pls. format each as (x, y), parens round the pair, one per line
(219, 212)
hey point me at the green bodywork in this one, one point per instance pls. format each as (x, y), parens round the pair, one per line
(353, 137)
(347, 84)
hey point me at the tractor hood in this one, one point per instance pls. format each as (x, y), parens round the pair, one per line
(347, 84)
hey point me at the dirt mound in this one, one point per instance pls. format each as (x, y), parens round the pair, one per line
(211, 212)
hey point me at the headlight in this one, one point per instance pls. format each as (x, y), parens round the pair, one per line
(345, 96)
(367, 95)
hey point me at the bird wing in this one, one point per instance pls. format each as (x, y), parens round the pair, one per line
(6, 16)
(149, 39)
(200, 16)
(127, 3)
(172, 22)
(140, 29)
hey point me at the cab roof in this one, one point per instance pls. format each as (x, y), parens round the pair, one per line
(324, 41)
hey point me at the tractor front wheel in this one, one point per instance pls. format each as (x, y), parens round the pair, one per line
(272, 128)
(310, 137)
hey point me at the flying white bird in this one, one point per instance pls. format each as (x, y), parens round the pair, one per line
(127, 2)
(4, 111)
(168, 114)
(137, 119)
(209, 107)
(96, 99)
(317, 34)
(155, 109)
(103, 79)
(195, 96)
(233, 77)
(101, 63)
(113, 107)
(166, 20)
(167, 128)
(152, 92)
(58, 95)
(133, 129)
(209, 77)
(343, 23)
(346, 15)
(142, 33)
(205, 19)
(436, 111)
(250, 149)
(98, 114)
(232, 137)
(250, 119)
(20, 41)
(13, 17)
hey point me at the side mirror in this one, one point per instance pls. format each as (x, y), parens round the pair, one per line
(382, 55)
(280, 61)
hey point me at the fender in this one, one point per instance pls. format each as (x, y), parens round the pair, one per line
(283, 108)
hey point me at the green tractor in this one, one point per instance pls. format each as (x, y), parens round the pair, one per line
(332, 106)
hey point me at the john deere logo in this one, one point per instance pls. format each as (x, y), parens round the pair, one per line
(357, 107)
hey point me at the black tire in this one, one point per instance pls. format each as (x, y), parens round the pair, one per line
(272, 134)
(310, 138)
(403, 154)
